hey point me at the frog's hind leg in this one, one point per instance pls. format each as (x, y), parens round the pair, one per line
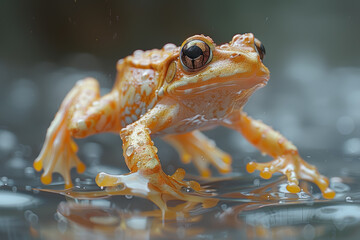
(195, 146)
(82, 113)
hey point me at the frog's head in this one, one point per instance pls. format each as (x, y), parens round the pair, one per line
(201, 66)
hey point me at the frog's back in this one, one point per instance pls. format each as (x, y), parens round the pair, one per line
(139, 77)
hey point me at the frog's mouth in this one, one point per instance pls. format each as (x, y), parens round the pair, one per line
(205, 86)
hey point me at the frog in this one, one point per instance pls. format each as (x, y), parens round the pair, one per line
(175, 92)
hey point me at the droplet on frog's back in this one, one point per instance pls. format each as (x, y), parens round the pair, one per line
(129, 150)
(145, 76)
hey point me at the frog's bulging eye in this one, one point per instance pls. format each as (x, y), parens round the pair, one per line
(260, 48)
(194, 55)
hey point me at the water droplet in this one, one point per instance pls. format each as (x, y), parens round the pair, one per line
(345, 125)
(352, 146)
(339, 187)
(17, 163)
(256, 182)
(145, 76)
(129, 150)
(348, 199)
(4, 180)
(7, 142)
(29, 172)
(223, 206)
(129, 196)
(10, 182)
(187, 189)
(31, 217)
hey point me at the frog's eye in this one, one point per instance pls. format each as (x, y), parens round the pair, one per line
(260, 48)
(195, 54)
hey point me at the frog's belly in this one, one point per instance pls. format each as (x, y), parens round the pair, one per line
(198, 122)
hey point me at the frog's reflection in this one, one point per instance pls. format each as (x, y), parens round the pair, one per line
(104, 213)
(110, 222)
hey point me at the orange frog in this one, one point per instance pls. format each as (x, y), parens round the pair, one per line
(174, 92)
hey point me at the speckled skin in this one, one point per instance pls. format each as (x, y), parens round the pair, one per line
(155, 94)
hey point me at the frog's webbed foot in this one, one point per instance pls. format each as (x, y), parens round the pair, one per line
(196, 147)
(59, 150)
(157, 187)
(58, 153)
(295, 168)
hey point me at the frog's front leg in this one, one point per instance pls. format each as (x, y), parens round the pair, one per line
(82, 113)
(195, 146)
(286, 157)
(146, 177)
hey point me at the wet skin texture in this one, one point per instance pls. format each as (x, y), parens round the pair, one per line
(174, 92)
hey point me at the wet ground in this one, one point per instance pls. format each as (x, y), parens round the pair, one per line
(246, 207)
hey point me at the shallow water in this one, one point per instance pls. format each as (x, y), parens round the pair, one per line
(247, 207)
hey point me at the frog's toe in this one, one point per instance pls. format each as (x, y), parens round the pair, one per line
(266, 169)
(295, 168)
(58, 154)
(197, 148)
(310, 173)
(202, 160)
